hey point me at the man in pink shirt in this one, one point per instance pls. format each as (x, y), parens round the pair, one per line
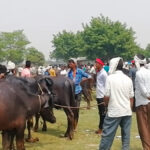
(26, 71)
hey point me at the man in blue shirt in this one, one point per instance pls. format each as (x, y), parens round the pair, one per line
(76, 75)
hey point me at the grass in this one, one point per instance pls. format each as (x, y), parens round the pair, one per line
(84, 138)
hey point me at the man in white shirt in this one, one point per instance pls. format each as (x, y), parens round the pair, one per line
(100, 88)
(63, 71)
(142, 96)
(119, 98)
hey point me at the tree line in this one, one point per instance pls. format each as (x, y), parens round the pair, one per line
(101, 37)
(13, 47)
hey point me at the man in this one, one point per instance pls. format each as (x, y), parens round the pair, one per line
(106, 67)
(63, 71)
(76, 75)
(26, 71)
(52, 72)
(11, 68)
(132, 75)
(142, 96)
(119, 98)
(3, 71)
(100, 88)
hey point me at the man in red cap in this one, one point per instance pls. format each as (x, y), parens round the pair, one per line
(100, 88)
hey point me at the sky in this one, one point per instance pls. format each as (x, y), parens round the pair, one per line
(41, 19)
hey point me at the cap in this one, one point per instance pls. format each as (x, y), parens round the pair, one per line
(100, 61)
(10, 65)
(133, 61)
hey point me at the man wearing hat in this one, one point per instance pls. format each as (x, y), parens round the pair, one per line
(142, 96)
(119, 99)
(76, 74)
(100, 86)
(11, 68)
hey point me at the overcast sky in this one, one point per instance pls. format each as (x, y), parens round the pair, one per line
(40, 19)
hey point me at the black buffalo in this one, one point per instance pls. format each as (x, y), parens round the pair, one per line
(64, 97)
(87, 86)
(19, 100)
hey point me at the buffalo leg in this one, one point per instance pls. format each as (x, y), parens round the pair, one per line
(13, 133)
(29, 128)
(36, 127)
(76, 118)
(20, 138)
(44, 128)
(85, 94)
(70, 128)
(6, 140)
(29, 125)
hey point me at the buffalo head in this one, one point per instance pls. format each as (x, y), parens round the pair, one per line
(45, 86)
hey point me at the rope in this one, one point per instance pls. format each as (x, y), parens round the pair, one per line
(40, 89)
(83, 107)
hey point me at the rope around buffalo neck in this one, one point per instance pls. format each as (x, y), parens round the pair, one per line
(78, 107)
(40, 88)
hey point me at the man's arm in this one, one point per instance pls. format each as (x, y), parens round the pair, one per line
(131, 103)
(106, 100)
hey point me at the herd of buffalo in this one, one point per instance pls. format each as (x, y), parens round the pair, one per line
(22, 98)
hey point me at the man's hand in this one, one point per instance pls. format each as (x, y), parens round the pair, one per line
(106, 100)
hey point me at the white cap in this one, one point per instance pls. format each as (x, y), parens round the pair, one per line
(10, 65)
(74, 59)
(113, 64)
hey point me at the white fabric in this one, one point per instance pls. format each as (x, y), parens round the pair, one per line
(142, 86)
(100, 83)
(10, 65)
(74, 59)
(92, 70)
(148, 66)
(119, 89)
(63, 72)
(139, 61)
(113, 64)
(20, 69)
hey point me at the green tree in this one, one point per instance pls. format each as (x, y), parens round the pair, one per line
(147, 51)
(66, 45)
(13, 46)
(37, 58)
(100, 38)
(106, 39)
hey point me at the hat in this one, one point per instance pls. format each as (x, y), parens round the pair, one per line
(10, 65)
(113, 64)
(133, 61)
(74, 60)
(99, 61)
(139, 60)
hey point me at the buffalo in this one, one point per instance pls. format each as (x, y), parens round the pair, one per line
(64, 97)
(87, 86)
(19, 100)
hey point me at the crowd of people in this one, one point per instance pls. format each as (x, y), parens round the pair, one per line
(119, 92)
(120, 89)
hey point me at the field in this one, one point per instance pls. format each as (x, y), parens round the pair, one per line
(85, 137)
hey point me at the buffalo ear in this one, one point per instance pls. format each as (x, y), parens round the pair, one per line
(49, 81)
